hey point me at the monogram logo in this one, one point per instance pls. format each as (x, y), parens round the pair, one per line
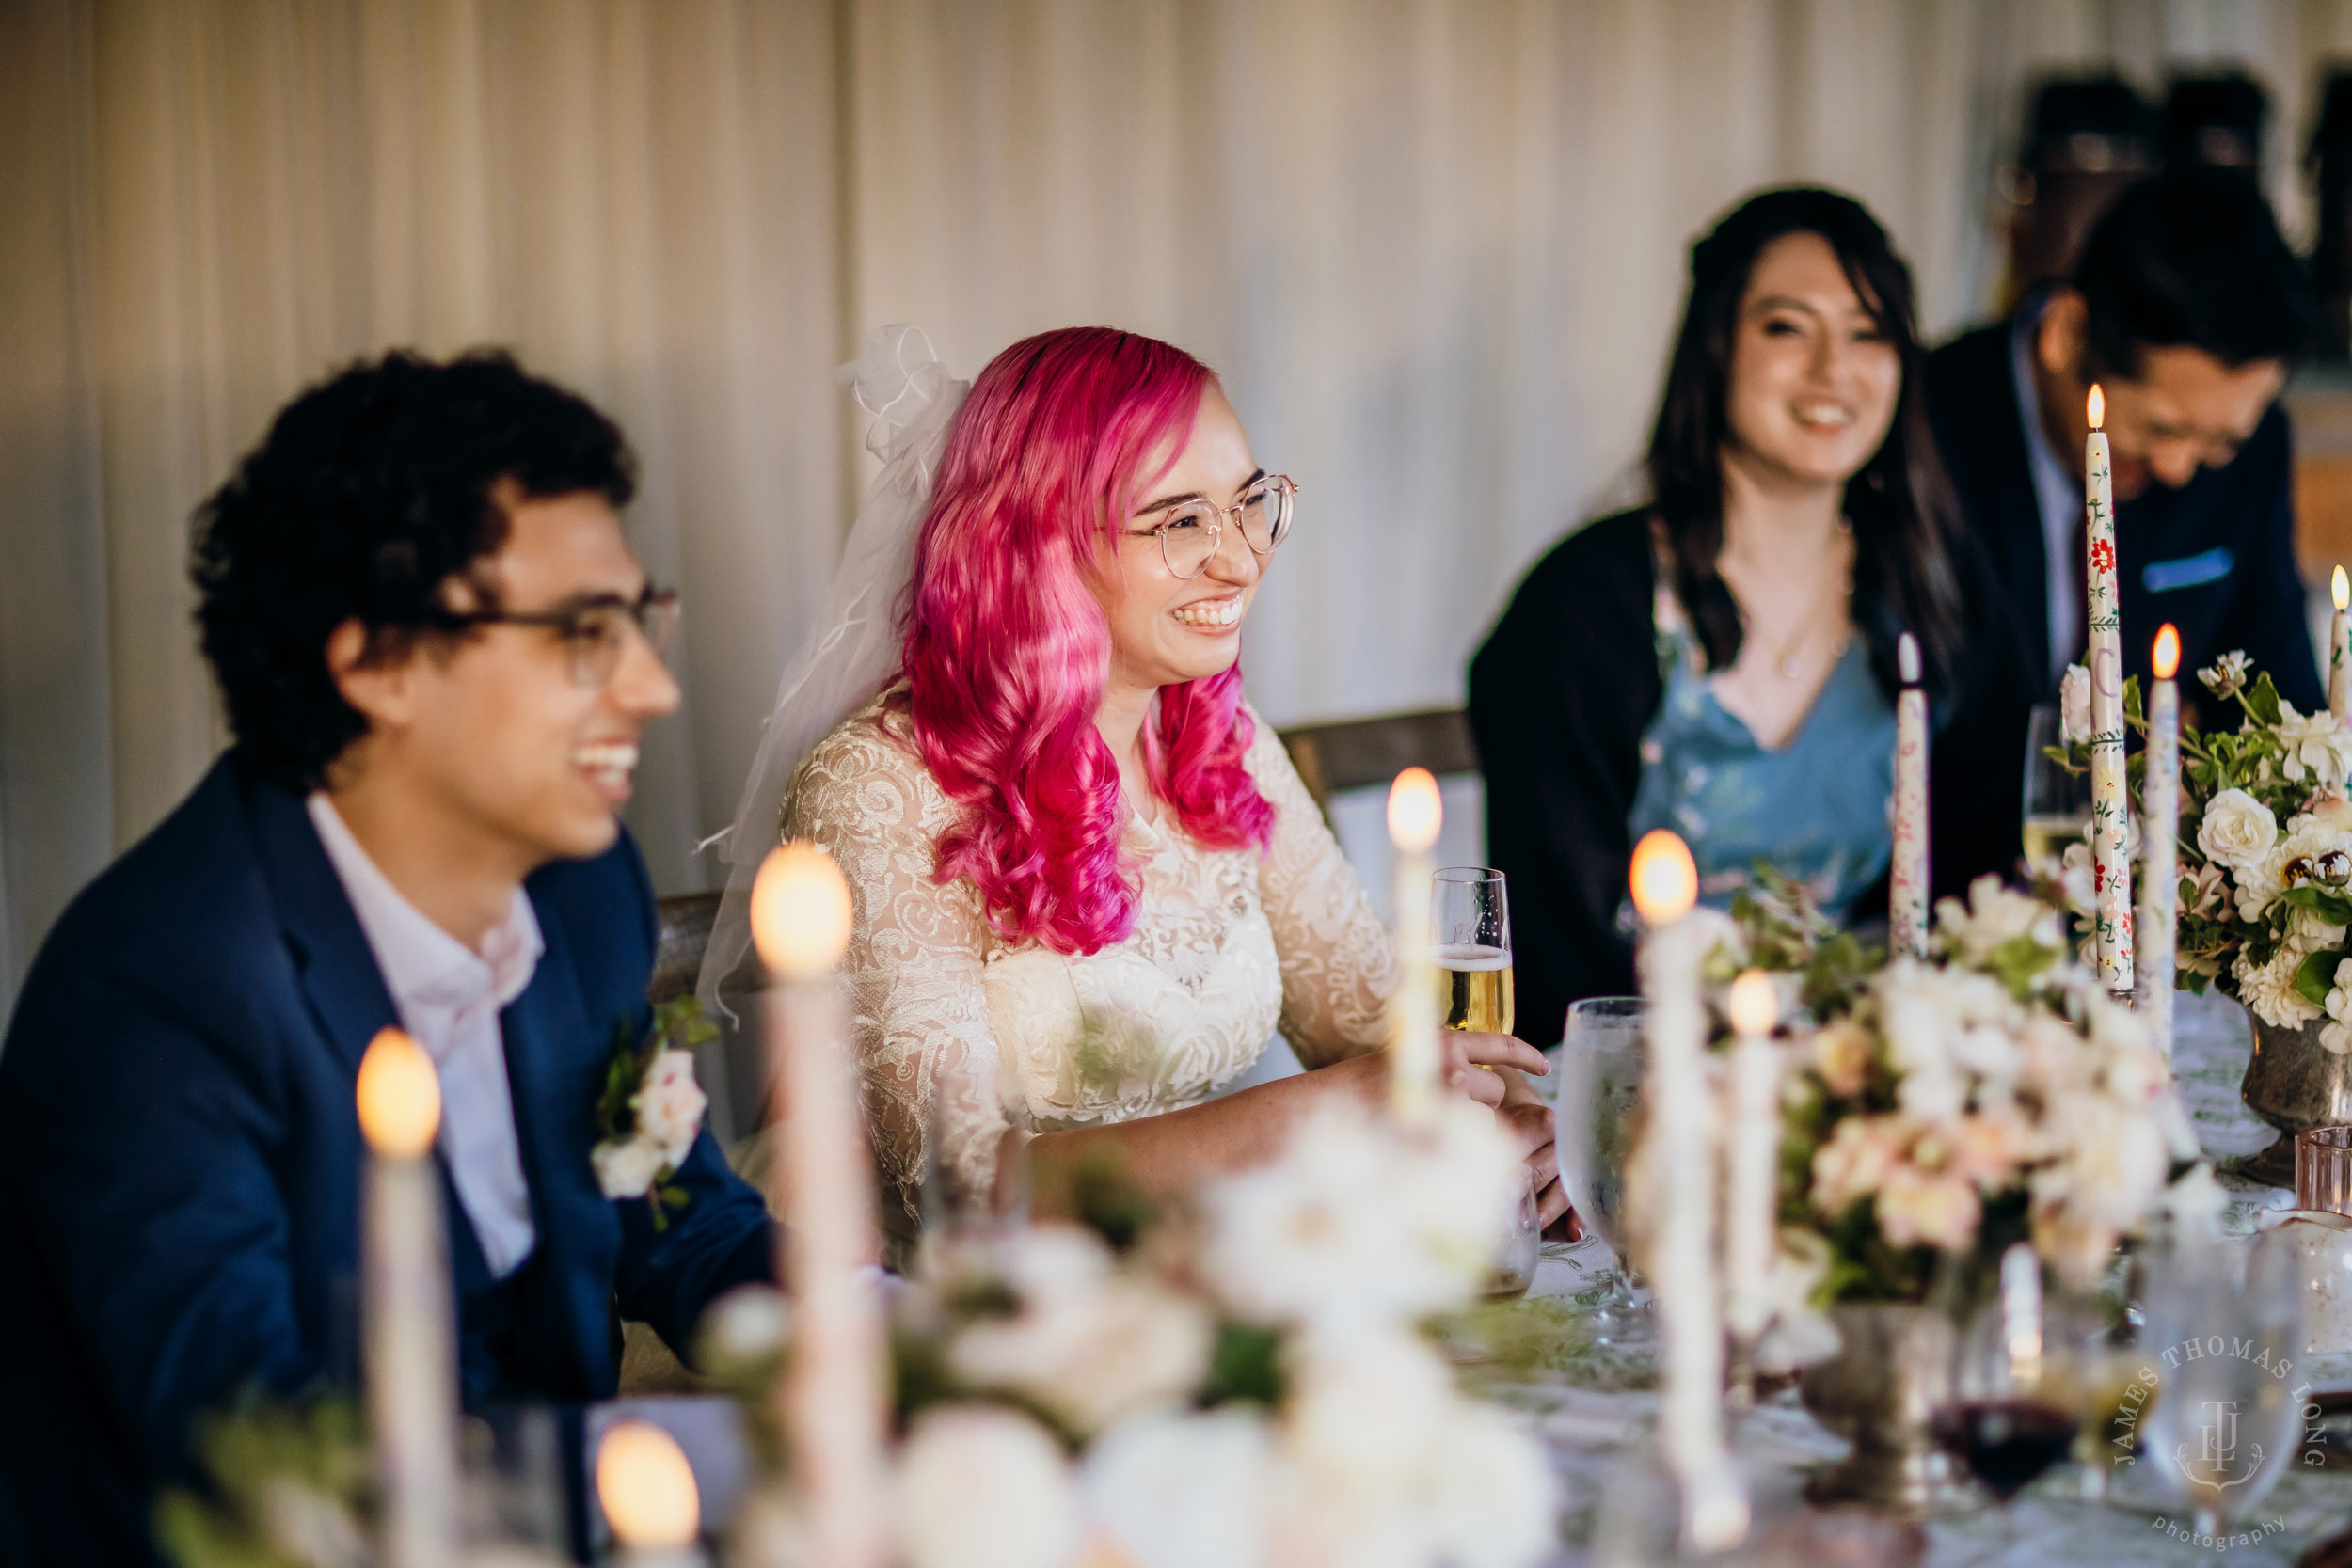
(2215, 1464)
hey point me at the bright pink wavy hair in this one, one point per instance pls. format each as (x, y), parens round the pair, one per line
(1007, 649)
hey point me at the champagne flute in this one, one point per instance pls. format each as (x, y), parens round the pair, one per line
(2058, 799)
(1599, 1123)
(1472, 930)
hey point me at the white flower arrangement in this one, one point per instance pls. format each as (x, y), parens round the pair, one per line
(2266, 856)
(1243, 1386)
(1947, 1106)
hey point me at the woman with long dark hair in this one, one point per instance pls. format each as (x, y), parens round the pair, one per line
(1722, 661)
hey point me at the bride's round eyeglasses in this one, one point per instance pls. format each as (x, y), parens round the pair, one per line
(1189, 530)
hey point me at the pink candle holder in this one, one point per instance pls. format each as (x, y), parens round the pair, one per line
(2323, 1169)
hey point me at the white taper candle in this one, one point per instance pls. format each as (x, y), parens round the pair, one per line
(407, 1310)
(2160, 827)
(1415, 813)
(1678, 1163)
(834, 1399)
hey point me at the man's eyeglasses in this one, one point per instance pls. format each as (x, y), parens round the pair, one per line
(1189, 530)
(593, 631)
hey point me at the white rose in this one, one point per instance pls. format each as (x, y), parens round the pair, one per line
(980, 1486)
(1090, 1356)
(745, 1327)
(2238, 831)
(670, 1104)
(2074, 705)
(2268, 990)
(1494, 1490)
(626, 1166)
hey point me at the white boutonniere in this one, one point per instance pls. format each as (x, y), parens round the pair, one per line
(651, 1109)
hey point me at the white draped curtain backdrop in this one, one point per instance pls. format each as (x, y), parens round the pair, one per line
(1435, 247)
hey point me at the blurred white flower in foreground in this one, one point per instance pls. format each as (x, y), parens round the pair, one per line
(980, 1486)
(1360, 1222)
(1184, 1491)
(1088, 1343)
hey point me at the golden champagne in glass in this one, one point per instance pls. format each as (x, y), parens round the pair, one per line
(1474, 987)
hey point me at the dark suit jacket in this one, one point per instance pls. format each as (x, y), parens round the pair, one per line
(1560, 696)
(179, 1159)
(2216, 557)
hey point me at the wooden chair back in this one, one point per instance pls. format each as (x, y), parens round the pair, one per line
(1355, 753)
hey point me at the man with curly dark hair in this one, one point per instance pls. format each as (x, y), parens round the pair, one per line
(436, 652)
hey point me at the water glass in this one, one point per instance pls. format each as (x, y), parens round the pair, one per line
(1599, 1123)
(2222, 1340)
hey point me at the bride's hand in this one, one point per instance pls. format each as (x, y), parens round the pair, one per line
(1463, 1055)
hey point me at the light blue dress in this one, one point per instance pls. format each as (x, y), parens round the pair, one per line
(1815, 809)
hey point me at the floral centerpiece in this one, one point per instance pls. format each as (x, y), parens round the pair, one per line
(1244, 1383)
(1947, 1107)
(2265, 895)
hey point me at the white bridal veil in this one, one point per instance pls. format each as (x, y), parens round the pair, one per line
(853, 651)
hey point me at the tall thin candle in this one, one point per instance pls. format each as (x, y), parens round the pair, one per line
(2110, 812)
(1678, 1163)
(832, 1399)
(2340, 648)
(1751, 1170)
(1907, 877)
(406, 1307)
(1415, 813)
(2160, 827)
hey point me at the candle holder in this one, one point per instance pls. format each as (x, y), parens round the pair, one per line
(2323, 1169)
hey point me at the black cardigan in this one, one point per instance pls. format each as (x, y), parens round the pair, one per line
(1559, 698)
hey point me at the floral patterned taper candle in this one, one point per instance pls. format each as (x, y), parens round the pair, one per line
(406, 1309)
(1415, 813)
(2339, 649)
(1677, 1162)
(2160, 827)
(834, 1399)
(1907, 878)
(2110, 811)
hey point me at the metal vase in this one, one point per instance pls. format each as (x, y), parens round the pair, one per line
(2293, 1082)
(1879, 1392)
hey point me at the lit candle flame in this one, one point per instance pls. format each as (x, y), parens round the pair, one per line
(1415, 810)
(1665, 879)
(2341, 590)
(647, 1488)
(2167, 658)
(2098, 405)
(1753, 1005)
(800, 913)
(399, 1096)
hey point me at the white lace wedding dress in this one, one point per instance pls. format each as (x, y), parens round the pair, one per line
(952, 1023)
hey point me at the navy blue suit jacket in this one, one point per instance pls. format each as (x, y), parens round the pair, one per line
(2214, 557)
(179, 1159)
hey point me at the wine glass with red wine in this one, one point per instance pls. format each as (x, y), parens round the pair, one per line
(2008, 1416)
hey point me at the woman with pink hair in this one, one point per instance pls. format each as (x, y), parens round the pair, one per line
(1089, 886)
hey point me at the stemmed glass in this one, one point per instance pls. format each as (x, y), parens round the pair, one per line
(2057, 799)
(2011, 1410)
(1470, 929)
(2224, 1330)
(1598, 1124)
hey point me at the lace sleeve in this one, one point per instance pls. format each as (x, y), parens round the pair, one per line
(1336, 967)
(919, 1016)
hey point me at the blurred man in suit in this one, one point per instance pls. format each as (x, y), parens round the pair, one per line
(2188, 310)
(436, 652)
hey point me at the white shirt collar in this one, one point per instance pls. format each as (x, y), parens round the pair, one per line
(425, 968)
